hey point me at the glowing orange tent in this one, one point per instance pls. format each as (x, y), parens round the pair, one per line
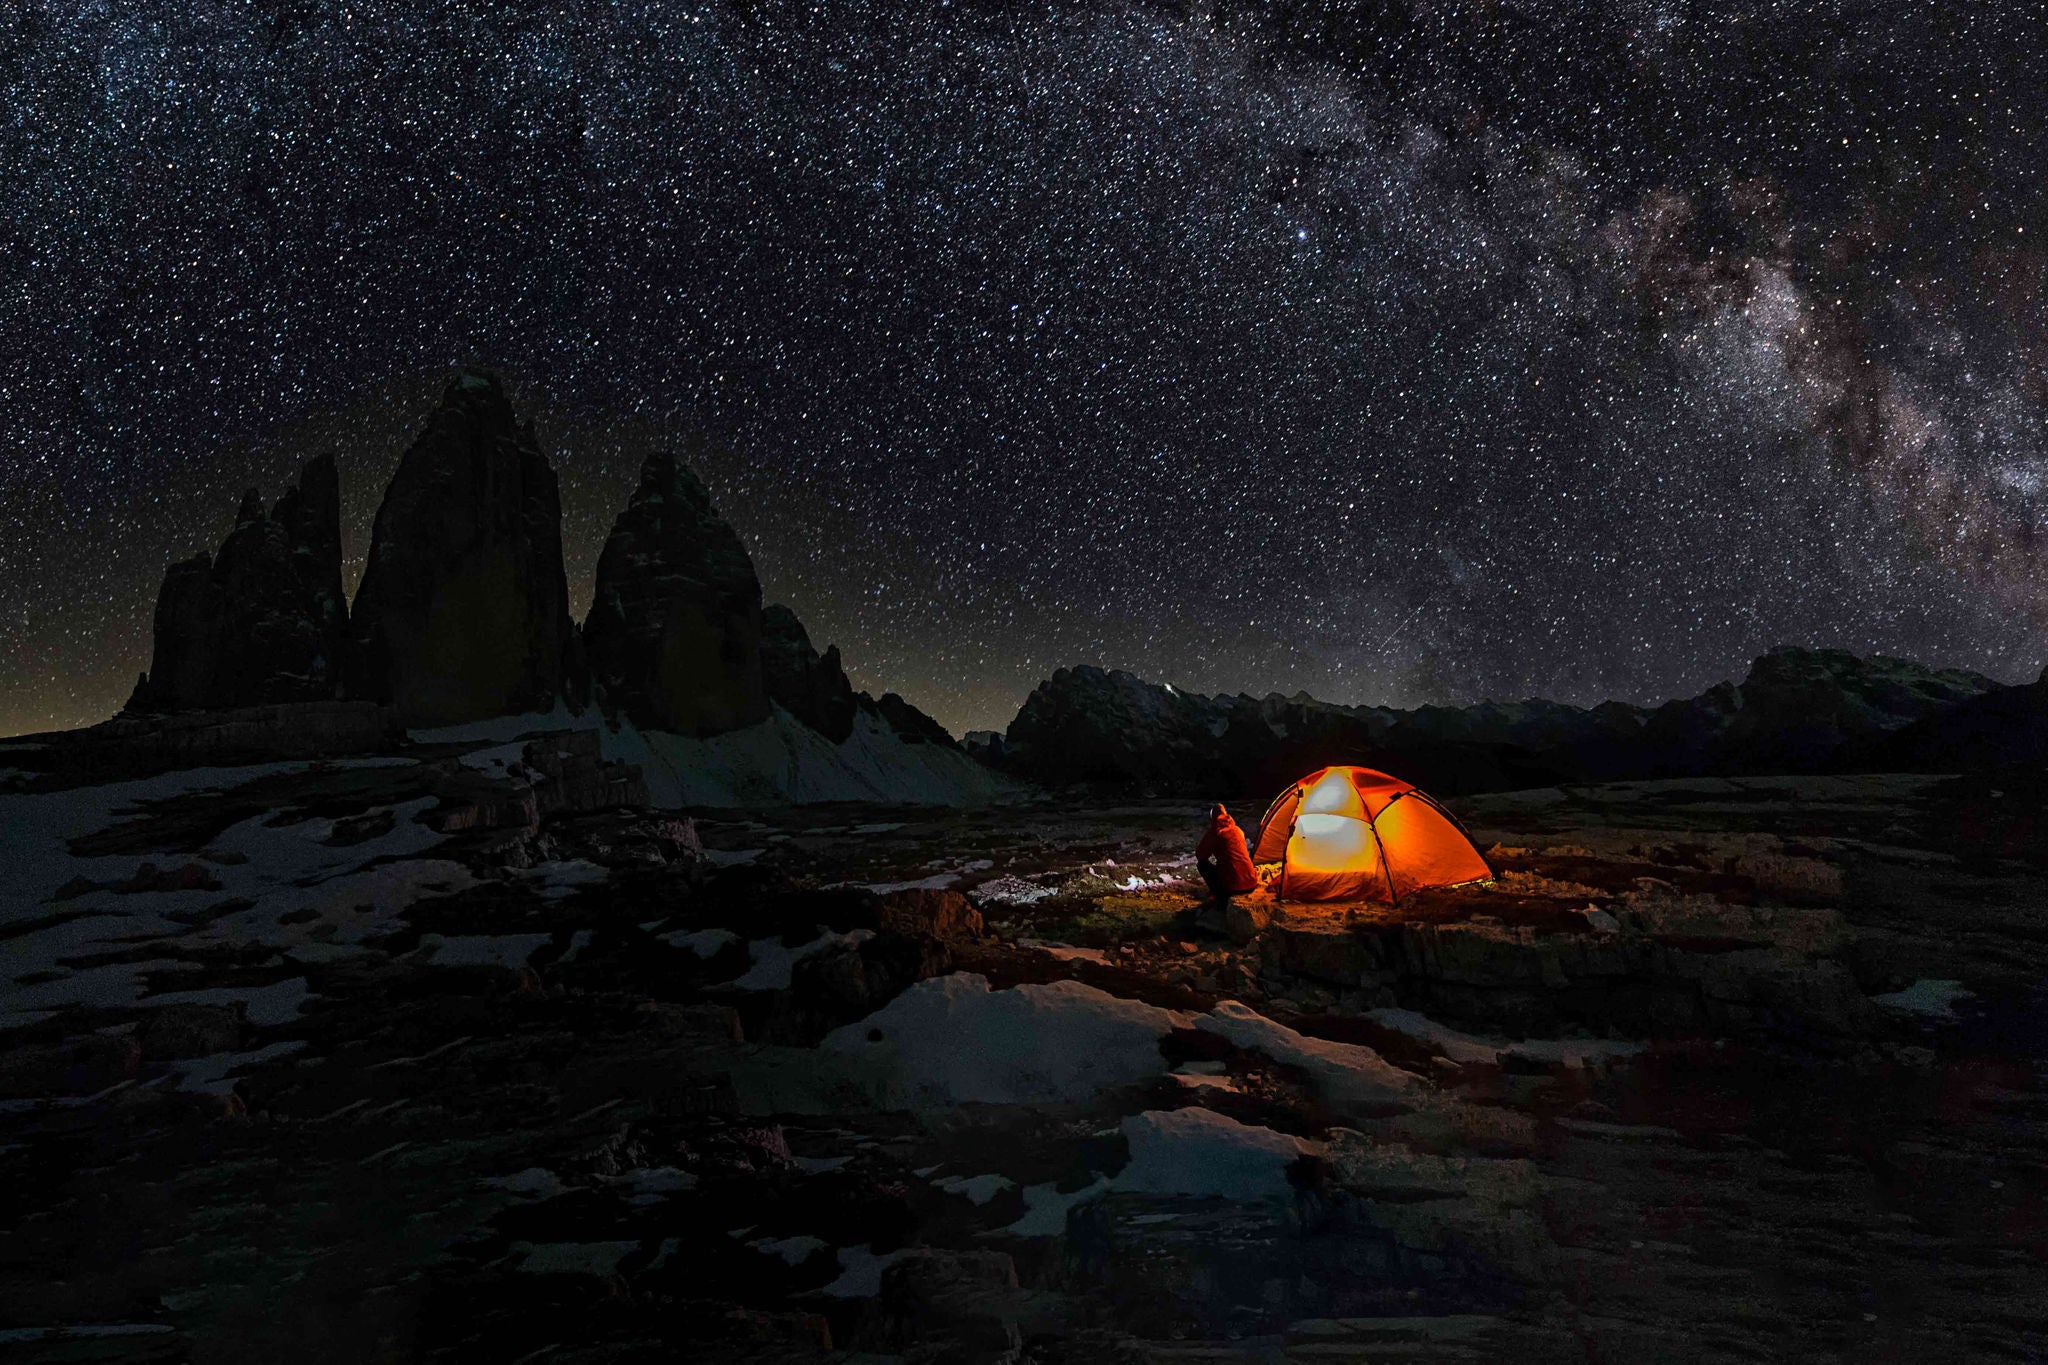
(1355, 834)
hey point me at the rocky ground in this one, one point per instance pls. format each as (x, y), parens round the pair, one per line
(462, 1055)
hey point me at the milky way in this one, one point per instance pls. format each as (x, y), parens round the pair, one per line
(1394, 353)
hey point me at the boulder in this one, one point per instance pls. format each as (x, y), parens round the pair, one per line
(570, 775)
(77, 1066)
(923, 913)
(674, 635)
(558, 774)
(1245, 922)
(937, 1305)
(837, 987)
(812, 688)
(263, 620)
(189, 1031)
(463, 612)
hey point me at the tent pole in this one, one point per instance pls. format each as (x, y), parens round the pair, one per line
(1386, 868)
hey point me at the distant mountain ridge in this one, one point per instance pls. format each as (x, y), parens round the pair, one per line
(1797, 711)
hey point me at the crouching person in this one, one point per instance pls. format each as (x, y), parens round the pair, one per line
(1226, 865)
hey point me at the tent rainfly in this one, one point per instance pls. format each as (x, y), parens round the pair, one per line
(1357, 834)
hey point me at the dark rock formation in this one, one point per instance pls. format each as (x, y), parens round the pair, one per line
(923, 913)
(187, 628)
(463, 611)
(989, 746)
(674, 635)
(262, 621)
(1993, 729)
(814, 689)
(1801, 709)
(134, 746)
(1798, 711)
(911, 725)
(557, 774)
(948, 1305)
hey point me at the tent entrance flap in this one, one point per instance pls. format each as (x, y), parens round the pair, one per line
(1333, 857)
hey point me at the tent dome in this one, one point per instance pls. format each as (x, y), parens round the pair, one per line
(1356, 834)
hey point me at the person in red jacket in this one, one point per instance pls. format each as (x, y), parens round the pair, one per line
(1225, 862)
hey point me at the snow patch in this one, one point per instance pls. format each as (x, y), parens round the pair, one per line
(773, 960)
(480, 950)
(1464, 1048)
(535, 1182)
(702, 942)
(500, 729)
(977, 1189)
(209, 1075)
(951, 1040)
(1049, 1207)
(731, 857)
(654, 1183)
(794, 1250)
(782, 761)
(860, 1273)
(560, 879)
(938, 883)
(1928, 997)
(263, 1006)
(1347, 1074)
(1200, 1152)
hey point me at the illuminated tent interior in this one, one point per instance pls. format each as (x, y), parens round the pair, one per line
(1357, 834)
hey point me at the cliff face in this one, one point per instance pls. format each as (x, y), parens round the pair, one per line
(674, 635)
(264, 620)
(463, 611)
(1798, 710)
(811, 687)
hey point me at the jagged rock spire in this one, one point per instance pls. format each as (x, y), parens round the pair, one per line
(674, 631)
(463, 611)
(264, 620)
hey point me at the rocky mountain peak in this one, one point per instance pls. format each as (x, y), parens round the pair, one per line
(463, 611)
(1797, 710)
(810, 686)
(674, 631)
(263, 620)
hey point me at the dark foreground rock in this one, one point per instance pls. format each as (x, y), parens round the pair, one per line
(297, 1076)
(463, 612)
(564, 773)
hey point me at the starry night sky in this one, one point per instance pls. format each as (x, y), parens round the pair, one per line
(1398, 352)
